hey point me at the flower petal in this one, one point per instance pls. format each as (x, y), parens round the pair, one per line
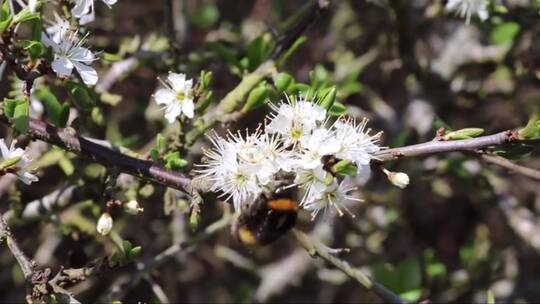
(62, 66)
(173, 111)
(177, 81)
(164, 96)
(87, 73)
(188, 107)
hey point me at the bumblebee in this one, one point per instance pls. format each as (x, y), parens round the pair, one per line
(266, 220)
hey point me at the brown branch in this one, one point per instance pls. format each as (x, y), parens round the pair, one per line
(68, 139)
(435, 147)
(26, 264)
(509, 165)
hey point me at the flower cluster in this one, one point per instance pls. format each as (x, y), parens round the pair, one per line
(294, 148)
(14, 160)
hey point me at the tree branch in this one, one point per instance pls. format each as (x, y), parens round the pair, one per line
(315, 248)
(68, 139)
(509, 165)
(27, 265)
(435, 147)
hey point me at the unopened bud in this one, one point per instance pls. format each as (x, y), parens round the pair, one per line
(133, 207)
(398, 179)
(104, 224)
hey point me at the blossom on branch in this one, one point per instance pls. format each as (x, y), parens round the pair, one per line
(14, 160)
(176, 96)
(69, 53)
(291, 150)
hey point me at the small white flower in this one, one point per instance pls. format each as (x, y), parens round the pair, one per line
(229, 174)
(69, 53)
(133, 207)
(398, 179)
(104, 224)
(467, 8)
(57, 28)
(314, 146)
(312, 182)
(295, 119)
(354, 142)
(333, 196)
(84, 9)
(177, 96)
(14, 160)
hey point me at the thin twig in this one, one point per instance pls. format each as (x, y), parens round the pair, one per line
(315, 248)
(434, 147)
(26, 264)
(509, 165)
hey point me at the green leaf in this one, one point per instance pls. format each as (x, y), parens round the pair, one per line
(173, 161)
(66, 165)
(328, 97)
(515, 152)
(532, 129)
(5, 16)
(464, 133)
(34, 48)
(133, 254)
(25, 15)
(284, 82)
(18, 111)
(504, 33)
(194, 220)
(345, 168)
(319, 77)
(205, 79)
(337, 109)
(80, 95)
(256, 98)
(291, 50)
(256, 52)
(57, 112)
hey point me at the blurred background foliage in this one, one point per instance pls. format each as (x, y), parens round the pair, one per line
(461, 232)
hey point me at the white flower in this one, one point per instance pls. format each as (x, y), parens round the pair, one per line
(229, 174)
(104, 224)
(14, 160)
(398, 179)
(354, 142)
(314, 146)
(69, 53)
(467, 8)
(312, 182)
(57, 28)
(84, 9)
(295, 119)
(333, 196)
(177, 96)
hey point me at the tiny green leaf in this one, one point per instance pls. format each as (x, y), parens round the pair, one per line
(463, 133)
(337, 109)
(80, 95)
(256, 98)
(283, 82)
(328, 97)
(345, 168)
(504, 33)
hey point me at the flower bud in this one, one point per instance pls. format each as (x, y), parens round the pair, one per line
(104, 224)
(398, 179)
(133, 207)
